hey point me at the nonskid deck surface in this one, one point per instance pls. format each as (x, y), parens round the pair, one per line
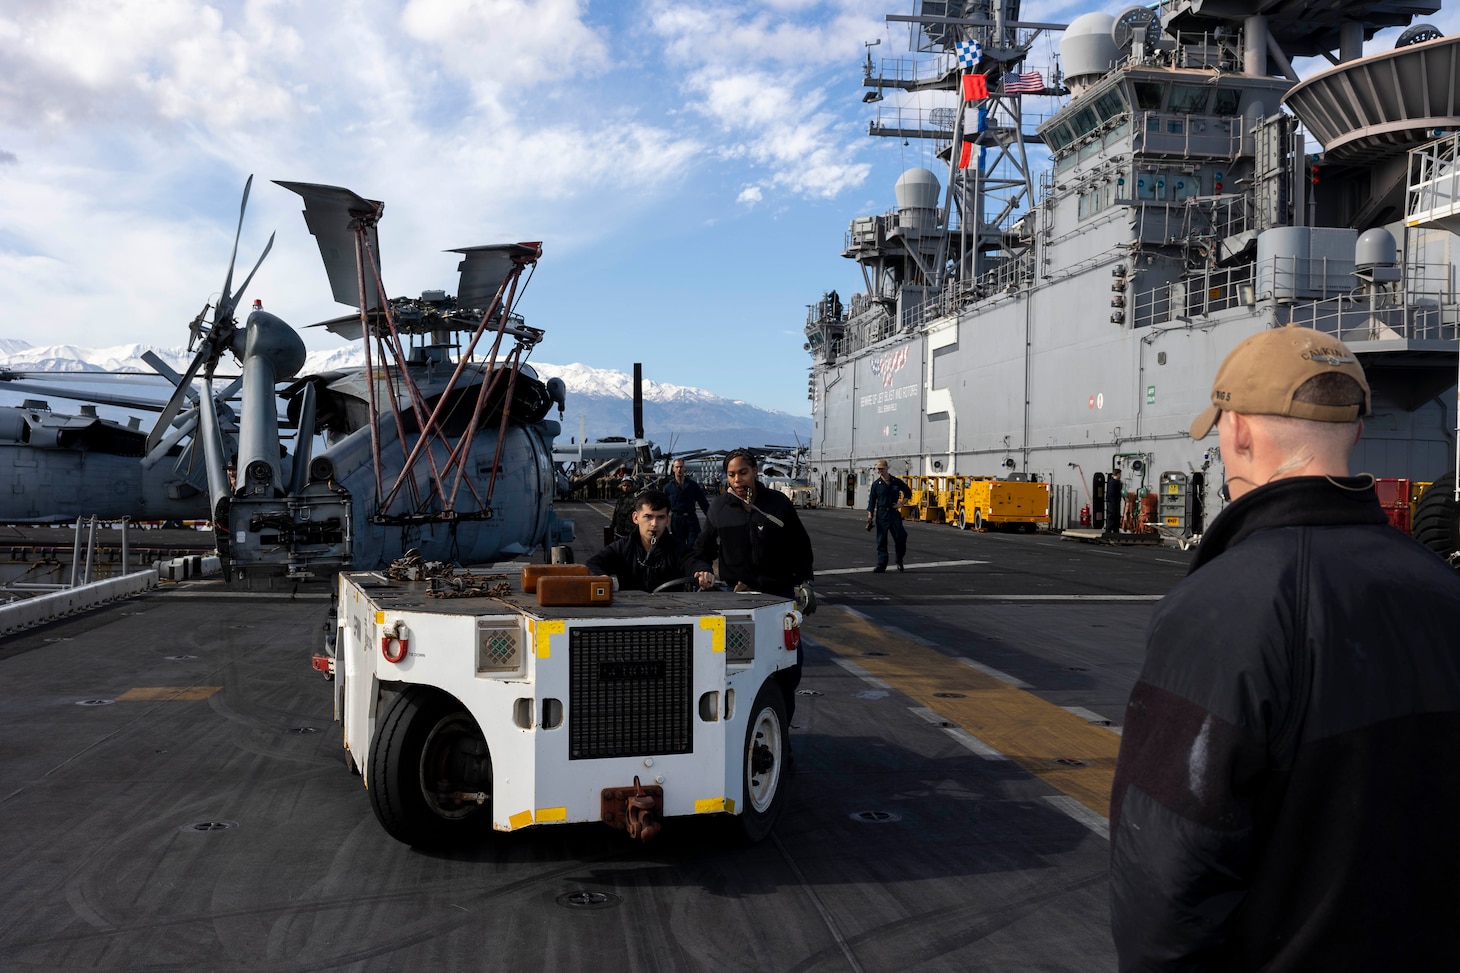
(174, 795)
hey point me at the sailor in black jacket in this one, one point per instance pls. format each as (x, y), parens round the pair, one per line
(754, 533)
(1285, 792)
(760, 545)
(651, 555)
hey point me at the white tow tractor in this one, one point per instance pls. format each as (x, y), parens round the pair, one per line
(460, 711)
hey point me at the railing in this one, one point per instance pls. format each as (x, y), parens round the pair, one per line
(1434, 180)
(1316, 293)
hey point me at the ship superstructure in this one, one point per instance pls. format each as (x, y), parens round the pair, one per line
(1069, 320)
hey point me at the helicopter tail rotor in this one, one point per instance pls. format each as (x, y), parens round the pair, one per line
(211, 338)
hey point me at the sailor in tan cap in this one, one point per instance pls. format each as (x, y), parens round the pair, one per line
(1300, 688)
(1286, 402)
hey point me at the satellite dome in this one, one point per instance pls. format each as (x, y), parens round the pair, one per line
(1375, 248)
(1088, 49)
(917, 189)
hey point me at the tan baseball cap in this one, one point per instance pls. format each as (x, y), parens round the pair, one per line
(881, 464)
(1259, 377)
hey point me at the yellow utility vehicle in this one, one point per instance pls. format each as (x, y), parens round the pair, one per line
(985, 502)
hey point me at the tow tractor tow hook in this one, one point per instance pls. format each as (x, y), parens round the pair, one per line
(634, 809)
(469, 797)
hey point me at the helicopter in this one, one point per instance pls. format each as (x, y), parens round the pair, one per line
(56, 466)
(447, 455)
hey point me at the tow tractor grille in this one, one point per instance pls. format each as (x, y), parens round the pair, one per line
(629, 690)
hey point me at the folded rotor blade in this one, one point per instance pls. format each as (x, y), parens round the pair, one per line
(331, 213)
(173, 437)
(166, 371)
(174, 404)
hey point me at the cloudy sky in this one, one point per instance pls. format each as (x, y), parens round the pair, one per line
(691, 168)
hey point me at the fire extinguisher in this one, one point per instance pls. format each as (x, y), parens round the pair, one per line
(1085, 516)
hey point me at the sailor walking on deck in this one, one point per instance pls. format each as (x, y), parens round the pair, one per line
(684, 495)
(883, 500)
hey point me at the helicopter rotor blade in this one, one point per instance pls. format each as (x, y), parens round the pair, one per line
(226, 305)
(227, 296)
(174, 404)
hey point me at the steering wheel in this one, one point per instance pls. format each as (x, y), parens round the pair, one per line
(690, 582)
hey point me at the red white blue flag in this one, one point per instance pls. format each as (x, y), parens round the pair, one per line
(1029, 83)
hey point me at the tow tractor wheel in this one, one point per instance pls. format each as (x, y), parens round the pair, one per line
(961, 520)
(1437, 518)
(430, 773)
(765, 751)
(977, 519)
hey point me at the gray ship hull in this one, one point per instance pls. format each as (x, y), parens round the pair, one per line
(1061, 323)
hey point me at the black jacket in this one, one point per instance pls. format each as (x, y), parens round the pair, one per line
(1285, 792)
(752, 550)
(641, 570)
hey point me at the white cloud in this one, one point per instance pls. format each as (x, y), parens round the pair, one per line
(761, 76)
(499, 45)
(750, 195)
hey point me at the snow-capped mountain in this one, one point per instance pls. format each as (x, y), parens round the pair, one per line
(675, 416)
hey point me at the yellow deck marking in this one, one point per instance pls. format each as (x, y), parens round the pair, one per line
(1029, 731)
(716, 626)
(169, 692)
(545, 631)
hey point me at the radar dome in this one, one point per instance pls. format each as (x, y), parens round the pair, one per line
(1375, 248)
(917, 189)
(1088, 49)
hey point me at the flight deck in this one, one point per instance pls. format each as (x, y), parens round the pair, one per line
(175, 796)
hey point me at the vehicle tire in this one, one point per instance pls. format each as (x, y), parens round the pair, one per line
(960, 520)
(766, 746)
(428, 750)
(977, 519)
(1437, 518)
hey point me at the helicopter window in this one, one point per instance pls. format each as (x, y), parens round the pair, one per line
(1226, 101)
(1187, 99)
(1109, 105)
(1148, 95)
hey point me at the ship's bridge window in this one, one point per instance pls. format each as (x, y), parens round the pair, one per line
(1058, 136)
(1188, 99)
(1084, 122)
(1227, 101)
(1110, 105)
(1149, 95)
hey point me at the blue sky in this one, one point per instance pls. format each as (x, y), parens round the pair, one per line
(691, 168)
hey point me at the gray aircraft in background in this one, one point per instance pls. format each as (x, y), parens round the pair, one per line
(439, 445)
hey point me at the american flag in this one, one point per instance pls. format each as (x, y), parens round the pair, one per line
(969, 53)
(887, 365)
(1029, 83)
